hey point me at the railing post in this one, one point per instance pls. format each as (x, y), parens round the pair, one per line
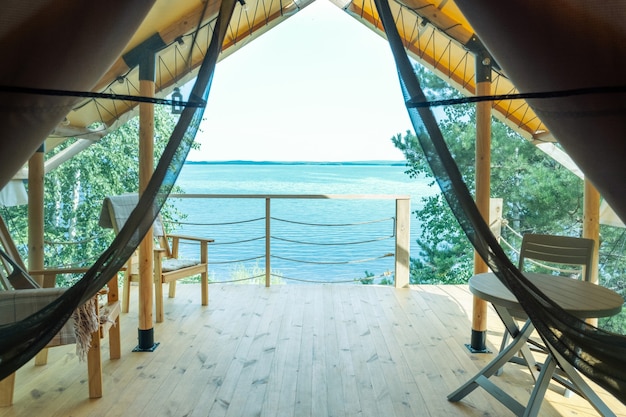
(403, 242)
(268, 266)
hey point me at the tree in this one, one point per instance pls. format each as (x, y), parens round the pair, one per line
(539, 194)
(74, 193)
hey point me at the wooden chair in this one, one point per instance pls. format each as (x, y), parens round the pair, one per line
(21, 296)
(552, 253)
(168, 267)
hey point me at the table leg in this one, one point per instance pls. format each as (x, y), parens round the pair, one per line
(503, 357)
(541, 385)
(511, 327)
(482, 378)
(582, 387)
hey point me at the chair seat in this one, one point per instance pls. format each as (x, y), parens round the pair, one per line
(169, 265)
(168, 268)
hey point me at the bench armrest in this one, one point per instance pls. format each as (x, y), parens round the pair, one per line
(192, 238)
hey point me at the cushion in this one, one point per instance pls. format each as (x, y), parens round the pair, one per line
(169, 265)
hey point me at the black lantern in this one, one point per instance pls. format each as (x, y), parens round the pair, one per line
(177, 101)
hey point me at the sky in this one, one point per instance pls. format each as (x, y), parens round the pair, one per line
(318, 87)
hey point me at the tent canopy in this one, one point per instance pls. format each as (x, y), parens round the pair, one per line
(436, 34)
(567, 51)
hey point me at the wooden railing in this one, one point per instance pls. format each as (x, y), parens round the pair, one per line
(401, 220)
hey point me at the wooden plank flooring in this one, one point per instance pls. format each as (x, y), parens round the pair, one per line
(291, 350)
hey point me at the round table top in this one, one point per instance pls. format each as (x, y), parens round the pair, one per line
(579, 298)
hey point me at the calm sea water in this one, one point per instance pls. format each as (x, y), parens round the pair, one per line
(312, 239)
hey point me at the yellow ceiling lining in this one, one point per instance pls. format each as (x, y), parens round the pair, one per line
(174, 65)
(435, 33)
(428, 40)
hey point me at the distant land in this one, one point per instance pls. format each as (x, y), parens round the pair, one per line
(242, 162)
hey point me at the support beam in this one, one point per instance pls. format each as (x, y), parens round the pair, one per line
(591, 229)
(146, 167)
(483, 185)
(591, 223)
(36, 172)
(268, 246)
(403, 243)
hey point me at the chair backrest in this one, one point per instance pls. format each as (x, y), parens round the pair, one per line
(116, 210)
(558, 250)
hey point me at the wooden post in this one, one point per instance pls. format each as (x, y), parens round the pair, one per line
(591, 229)
(7, 386)
(146, 167)
(268, 264)
(591, 223)
(495, 216)
(144, 56)
(204, 277)
(94, 366)
(403, 242)
(36, 172)
(483, 185)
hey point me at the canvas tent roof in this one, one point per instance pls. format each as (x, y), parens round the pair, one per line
(436, 33)
(43, 37)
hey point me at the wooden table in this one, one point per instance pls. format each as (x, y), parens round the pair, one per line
(580, 298)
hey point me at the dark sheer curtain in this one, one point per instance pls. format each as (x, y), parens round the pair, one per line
(598, 354)
(20, 341)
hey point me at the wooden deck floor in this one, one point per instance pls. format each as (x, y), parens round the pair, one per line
(291, 350)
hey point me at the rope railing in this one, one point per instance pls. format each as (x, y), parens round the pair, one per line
(345, 281)
(281, 245)
(234, 242)
(237, 261)
(214, 224)
(332, 224)
(285, 238)
(356, 261)
(302, 242)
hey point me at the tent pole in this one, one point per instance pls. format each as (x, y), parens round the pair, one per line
(36, 172)
(591, 222)
(144, 56)
(483, 185)
(35, 213)
(591, 228)
(146, 167)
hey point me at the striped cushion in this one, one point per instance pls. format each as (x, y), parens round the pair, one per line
(17, 305)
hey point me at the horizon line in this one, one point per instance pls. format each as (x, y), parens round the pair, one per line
(244, 161)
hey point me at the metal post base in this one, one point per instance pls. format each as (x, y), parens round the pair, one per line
(146, 341)
(478, 344)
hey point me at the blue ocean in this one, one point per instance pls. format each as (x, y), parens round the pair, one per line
(312, 239)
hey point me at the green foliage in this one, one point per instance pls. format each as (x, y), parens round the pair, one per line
(75, 190)
(612, 267)
(386, 278)
(539, 196)
(368, 279)
(254, 274)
